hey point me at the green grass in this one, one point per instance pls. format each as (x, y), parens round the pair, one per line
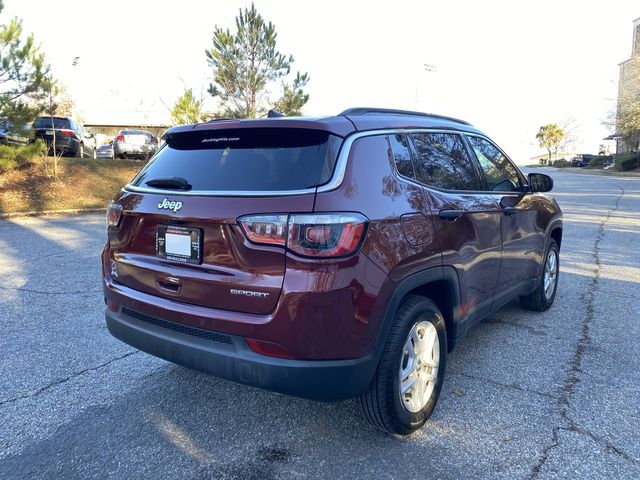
(79, 184)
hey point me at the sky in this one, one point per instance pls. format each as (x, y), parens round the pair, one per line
(507, 67)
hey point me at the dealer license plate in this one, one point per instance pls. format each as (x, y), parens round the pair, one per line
(180, 244)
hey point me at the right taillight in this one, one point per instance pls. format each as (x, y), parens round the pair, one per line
(114, 212)
(310, 235)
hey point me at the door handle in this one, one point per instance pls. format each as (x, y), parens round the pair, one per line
(509, 211)
(450, 215)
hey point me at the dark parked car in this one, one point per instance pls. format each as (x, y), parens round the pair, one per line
(70, 137)
(327, 258)
(10, 135)
(134, 143)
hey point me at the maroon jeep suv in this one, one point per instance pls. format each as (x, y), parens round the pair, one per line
(327, 258)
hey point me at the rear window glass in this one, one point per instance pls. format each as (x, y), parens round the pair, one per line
(45, 122)
(265, 159)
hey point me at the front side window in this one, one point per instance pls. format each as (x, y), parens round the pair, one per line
(402, 155)
(442, 161)
(499, 172)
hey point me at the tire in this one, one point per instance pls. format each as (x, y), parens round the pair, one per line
(383, 404)
(542, 297)
(81, 151)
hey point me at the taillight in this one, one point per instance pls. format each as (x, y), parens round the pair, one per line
(120, 138)
(66, 132)
(309, 235)
(266, 229)
(114, 212)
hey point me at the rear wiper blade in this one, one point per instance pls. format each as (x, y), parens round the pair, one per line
(173, 183)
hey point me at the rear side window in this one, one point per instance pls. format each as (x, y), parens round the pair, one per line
(45, 122)
(500, 174)
(401, 155)
(442, 161)
(264, 159)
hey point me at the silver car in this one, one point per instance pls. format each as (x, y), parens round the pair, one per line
(105, 151)
(134, 143)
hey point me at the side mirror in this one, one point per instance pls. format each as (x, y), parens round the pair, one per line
(539, 182)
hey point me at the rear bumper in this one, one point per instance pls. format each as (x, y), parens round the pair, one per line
(229, 357)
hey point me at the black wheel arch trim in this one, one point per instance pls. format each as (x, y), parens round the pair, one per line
(420, 279)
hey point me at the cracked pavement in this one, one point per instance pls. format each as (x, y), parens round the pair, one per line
(527, 395)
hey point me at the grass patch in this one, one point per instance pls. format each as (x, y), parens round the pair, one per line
(80, 183)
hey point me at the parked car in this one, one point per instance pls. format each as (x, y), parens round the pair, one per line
(10, 135)
(70, 137)
(327, 258)
(105, 151)
(135, 143)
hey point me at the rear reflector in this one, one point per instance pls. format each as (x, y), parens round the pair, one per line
(309, 235)
(268, 348)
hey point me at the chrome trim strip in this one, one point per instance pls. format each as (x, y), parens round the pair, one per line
(333, 184)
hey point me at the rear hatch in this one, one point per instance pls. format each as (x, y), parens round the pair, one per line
(135, 138)
(46, 127)
(178, 236)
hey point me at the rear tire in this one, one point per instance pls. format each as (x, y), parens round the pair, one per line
(407, 384)
(543, 296)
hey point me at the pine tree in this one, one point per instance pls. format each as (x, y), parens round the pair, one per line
(246, 63)
(24, 74)
(187, 109)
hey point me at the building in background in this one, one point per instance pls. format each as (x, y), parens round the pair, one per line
(628, 88)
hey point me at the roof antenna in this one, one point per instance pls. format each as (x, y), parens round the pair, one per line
(275, 114)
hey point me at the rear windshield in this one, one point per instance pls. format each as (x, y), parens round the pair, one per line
(133, 132)
(264, 159)
(45, 122)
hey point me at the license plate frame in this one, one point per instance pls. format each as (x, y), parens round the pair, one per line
(179, 243)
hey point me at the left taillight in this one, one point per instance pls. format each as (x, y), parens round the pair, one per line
(114, 213)
(324, 235)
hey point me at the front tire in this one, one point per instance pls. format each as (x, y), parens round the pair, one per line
(409, 378)
(543, 296)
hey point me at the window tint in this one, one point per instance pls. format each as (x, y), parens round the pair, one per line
(45, 122)
(264, 159)
(402, 155)
(443, 161)
(499, 172)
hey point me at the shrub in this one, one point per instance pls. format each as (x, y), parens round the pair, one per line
(599, 161)
(628, 161)
(20, 156)
(562, 163)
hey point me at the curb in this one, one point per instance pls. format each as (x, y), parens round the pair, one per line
(52, 212)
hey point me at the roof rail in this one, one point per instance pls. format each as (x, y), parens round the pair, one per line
(372, 111)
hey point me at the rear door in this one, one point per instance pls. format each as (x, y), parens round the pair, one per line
(186, 244)
(467, 220)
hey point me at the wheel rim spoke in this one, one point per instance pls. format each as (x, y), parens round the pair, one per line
(419, 366)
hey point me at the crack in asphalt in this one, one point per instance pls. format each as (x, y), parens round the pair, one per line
(512, 386)
(66, 379)
(575, 365)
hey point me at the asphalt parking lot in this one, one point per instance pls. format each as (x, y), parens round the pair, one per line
(527, 395)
